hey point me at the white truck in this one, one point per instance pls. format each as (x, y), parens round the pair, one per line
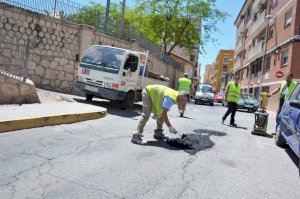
(115, 74)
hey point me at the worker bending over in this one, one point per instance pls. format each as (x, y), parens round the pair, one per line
(158, 99)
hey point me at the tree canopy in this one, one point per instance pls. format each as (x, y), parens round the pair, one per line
(166, 23)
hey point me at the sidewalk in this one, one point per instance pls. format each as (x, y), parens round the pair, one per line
(38, 115)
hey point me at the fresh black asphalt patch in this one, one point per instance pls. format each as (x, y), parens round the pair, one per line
(197, 141)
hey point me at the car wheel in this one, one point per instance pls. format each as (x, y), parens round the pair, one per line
(88, 97)
(279, 140)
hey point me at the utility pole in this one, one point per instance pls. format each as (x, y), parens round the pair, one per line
(122, 17)
(106, 21)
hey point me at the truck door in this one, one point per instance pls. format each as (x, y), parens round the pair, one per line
(130, 73)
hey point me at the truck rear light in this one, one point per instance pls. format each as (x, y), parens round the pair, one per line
(116, 86)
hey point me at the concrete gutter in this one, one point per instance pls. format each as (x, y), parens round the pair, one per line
(39, 115)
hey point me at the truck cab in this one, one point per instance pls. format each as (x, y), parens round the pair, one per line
(109, 73)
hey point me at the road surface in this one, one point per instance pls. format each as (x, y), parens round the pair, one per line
(95, 159)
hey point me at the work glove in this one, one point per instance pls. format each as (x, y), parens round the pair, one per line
(172, 130)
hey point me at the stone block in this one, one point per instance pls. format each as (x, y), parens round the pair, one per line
(53, 64)
(48, 24)
(40, 71)
(26, 89)
(46, 82)
(63, 61)
(64, 85)
(45, 62)
(31, 65)
(50, 74)
(69, 68)
(69, 77)
(9, 89)
(61, 75)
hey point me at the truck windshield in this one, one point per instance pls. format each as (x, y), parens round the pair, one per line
(104, 58)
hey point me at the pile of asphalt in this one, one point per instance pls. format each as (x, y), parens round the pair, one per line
(194, 142)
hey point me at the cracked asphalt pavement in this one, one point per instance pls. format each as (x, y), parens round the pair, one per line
(95, 159)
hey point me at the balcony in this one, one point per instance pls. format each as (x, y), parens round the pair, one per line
(242, 26)
(256, 52)
(238, 47)
(258, 25)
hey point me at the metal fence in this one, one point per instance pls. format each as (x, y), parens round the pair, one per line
(63, 9)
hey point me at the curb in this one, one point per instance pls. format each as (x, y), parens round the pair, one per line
(27, 123)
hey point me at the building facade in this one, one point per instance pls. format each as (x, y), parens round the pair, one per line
(267, 45)
(224, 64)
(209, 72)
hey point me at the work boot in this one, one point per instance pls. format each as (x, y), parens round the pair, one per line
(233, 124)
(158, 134)
(222, 121)
(181, 114)
(137, 139)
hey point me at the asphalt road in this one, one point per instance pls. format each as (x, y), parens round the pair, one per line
(95, 159)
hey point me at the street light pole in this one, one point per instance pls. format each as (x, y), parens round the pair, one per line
(122, 17)
(106, 21)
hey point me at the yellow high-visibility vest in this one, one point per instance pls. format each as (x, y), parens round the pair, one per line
(233, 92)
(157, 94)
(289, 90)
(184, 84)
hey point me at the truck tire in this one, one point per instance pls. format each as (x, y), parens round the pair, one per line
(279, 140)
(88, 97)
(128, 100)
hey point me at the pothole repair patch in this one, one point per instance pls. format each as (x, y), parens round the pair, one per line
(197, 141)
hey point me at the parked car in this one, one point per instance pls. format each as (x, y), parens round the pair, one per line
(250, 104)
(288, 130)
(205, 95)
(219, 98)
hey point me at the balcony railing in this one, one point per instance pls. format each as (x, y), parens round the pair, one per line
(256, 51)
(259, 24)
(238, 46)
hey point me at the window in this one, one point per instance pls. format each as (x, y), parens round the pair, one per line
(268, 63)
(225, 60)
(256, 92)
(288, 18)
(271, 31)
(247, 74)
(274, 3)
(284, 57)
(224, 69)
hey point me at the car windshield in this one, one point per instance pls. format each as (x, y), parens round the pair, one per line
(205, 89)
(105, 57)
(249, 96)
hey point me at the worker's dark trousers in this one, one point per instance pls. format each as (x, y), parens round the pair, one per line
(232, 108)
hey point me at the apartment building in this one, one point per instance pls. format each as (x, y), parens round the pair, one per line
(209, 72)
(224, 63)
(267, 45)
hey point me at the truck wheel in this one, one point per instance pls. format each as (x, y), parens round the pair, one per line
(279, 140)
(128, 100)
(88, 97)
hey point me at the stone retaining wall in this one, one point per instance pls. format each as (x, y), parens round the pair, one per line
(55, 45)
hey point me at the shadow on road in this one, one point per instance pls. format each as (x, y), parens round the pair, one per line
(190, 143)
(114, 108)
(237, 127)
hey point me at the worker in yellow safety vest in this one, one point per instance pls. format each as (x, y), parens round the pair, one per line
(158, 99)
(232, 94)
(184, 84)
(285, 90)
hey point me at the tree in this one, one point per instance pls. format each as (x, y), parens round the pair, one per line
(171, 23)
